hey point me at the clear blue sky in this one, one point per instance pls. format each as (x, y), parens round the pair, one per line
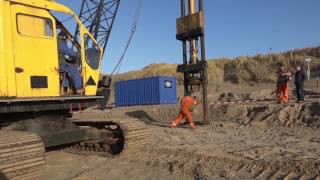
(233, 28)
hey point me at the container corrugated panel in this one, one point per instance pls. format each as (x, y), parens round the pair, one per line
(146, 91)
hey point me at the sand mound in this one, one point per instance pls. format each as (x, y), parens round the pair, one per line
(265, 94)
(229, 97)
(267, 114)
(307, 114)
(262, 94)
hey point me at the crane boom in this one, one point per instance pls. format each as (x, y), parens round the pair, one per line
(98, 16)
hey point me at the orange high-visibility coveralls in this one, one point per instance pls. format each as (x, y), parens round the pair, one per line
(186, 103)
(282, 93)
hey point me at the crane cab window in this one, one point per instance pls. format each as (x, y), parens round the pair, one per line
(93, 52)
(67, 46)
(34, 26)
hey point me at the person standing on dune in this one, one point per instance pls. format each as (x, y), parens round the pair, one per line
(282, 92)
(299, 82)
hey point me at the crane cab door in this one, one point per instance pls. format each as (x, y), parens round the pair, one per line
(92, 64)
(35, 52)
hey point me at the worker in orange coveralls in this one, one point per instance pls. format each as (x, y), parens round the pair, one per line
(186, 103)
(282, 93)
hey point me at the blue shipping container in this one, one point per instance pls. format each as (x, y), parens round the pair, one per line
(146, 91)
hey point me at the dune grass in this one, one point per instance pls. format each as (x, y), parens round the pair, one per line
(259, 68)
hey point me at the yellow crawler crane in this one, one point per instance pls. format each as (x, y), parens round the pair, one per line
(45, 73)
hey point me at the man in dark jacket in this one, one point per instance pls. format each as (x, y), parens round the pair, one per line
(299, 82)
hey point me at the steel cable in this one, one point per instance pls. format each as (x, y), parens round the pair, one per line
(131, 34)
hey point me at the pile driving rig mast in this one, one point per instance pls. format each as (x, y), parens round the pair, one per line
(190, 29)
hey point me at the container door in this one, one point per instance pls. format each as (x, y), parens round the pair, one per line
(168, 90)
(35, 51)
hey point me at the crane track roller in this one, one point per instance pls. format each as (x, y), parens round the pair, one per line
(22, 155)
(124, 138)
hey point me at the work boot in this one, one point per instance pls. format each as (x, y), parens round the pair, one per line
(173, 125)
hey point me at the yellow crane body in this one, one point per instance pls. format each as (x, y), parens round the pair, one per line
(29, 54)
